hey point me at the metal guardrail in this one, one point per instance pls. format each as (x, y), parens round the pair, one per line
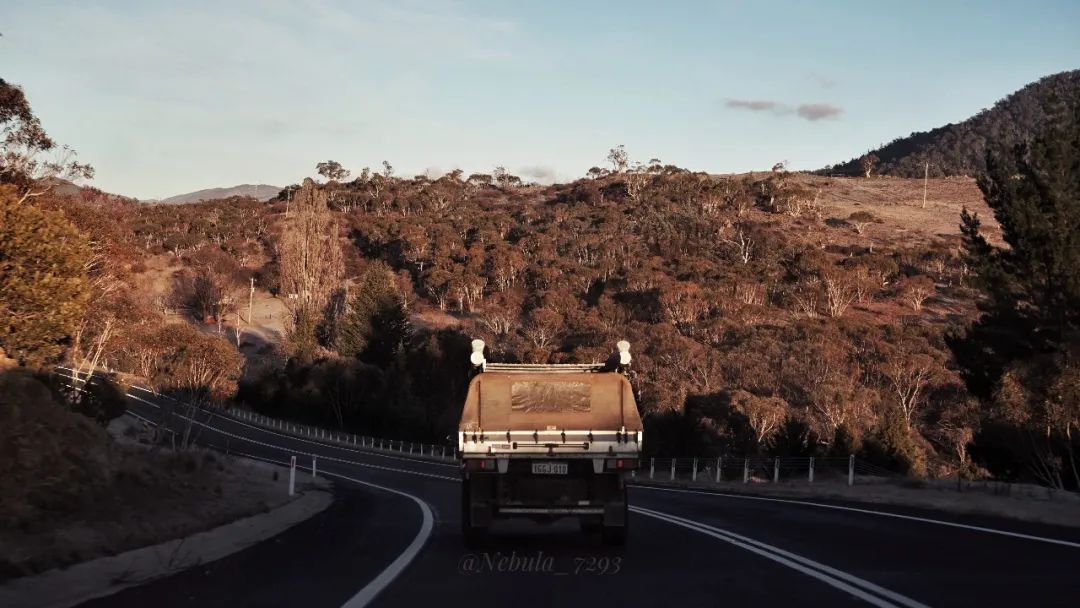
(352, 440)
(690, 469)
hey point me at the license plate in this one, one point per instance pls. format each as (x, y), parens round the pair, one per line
(549, 468)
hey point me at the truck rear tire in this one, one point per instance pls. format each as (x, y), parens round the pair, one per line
(614, 535)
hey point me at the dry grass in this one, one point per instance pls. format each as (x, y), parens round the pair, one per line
(68, 493)
(898, 204)
(152, 498)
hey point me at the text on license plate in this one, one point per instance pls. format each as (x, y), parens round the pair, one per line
(549, 468)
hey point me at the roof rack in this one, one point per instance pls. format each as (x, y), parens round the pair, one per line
(544, 368)
(617, 362)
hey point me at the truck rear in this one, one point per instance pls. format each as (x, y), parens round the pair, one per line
(548, 441)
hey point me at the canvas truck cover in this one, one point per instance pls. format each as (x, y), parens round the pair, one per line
(547, 401)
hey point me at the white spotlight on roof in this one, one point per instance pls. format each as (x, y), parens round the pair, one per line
(624, 352)
(477, 356)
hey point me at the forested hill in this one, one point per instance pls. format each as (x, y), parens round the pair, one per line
(960, 149)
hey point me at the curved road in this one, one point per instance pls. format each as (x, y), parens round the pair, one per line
(392, 538)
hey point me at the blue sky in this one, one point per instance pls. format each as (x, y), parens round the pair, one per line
(169, 97)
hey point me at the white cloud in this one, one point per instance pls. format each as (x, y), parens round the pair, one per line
(542, 174)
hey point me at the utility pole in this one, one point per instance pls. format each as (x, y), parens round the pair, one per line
(925, 176)
(251, 297)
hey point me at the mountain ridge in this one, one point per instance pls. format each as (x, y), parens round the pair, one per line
(258, 191)
(960, 148)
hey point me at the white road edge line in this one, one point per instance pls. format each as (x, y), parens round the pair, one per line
(939, 522)
(828, 574)
(388, 574)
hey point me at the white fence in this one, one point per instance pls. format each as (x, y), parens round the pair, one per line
(743, 469)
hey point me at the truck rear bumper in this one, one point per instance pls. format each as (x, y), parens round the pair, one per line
(551, 510)
(596, 496)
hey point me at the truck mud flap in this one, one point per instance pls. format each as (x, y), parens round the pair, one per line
(615, 514)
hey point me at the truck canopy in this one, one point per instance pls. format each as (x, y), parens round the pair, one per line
(545, 399)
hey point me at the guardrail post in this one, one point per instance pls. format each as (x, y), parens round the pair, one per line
(851, 470)
(292, 475)
(314, 466)
(776, 470)
(693, 476)
(719, 465)
(810, 478)
(746, 470)
(652, 467)
(673, 468)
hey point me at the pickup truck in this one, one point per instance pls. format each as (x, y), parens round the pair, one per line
(546, 442)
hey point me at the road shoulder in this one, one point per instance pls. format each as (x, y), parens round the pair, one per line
(60, 588)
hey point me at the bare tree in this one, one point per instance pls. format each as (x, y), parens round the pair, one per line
(310, 255)
(918, 290)
(907, 375)
(763, 414)
(839, 292)
(867, 163)
(498, 320)
(543, 327)
(743, 244)
(636, 182)
(859, 220)
(618, 158)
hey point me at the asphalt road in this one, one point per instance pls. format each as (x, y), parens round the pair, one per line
(392, 538)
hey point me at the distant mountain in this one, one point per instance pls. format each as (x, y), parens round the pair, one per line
(258, 191)
(64, 188)
(960, 149)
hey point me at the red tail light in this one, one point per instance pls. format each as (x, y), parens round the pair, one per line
(479, 464)
(621, 464)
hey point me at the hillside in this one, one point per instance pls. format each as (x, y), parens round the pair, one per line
(805, 297)
(260, 192)
(960, 149)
